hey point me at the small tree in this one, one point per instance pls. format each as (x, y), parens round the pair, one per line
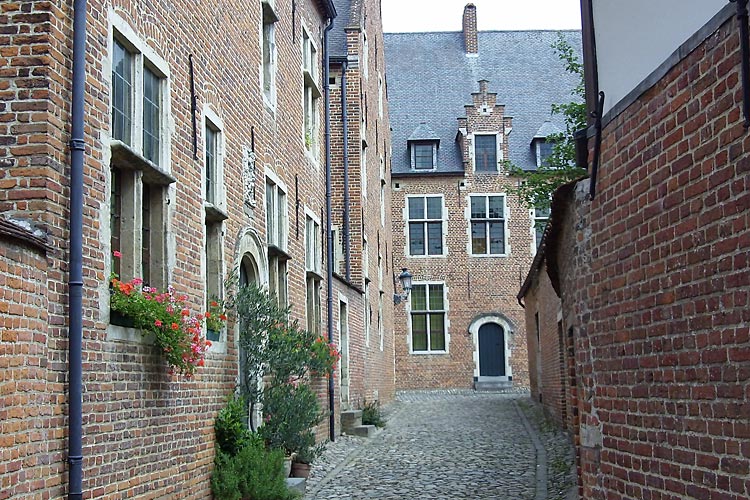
(559, 168)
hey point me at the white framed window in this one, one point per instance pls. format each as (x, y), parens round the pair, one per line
(338, 249)
(276, 238)
(363, 169)
(213, 173)
(313, 274)
(381, 327)
(366, 275)
(487, 225)
(382, 191)
(543, 150)
(539, 218)
(423, 155)
(311, 94)
(425, 225)
(139, 157)
(269, 55)
(428, 318)
(486, 152)
(367, 313)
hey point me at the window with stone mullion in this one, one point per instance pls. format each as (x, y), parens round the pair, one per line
(485, 152)
(425, 226)
(487, 225)
(428, 318)
(122, 93)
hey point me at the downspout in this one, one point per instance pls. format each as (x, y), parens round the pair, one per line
(75, 277)
(329, 236)
(345, 124)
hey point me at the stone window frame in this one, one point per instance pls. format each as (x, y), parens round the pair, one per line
(313, 272)
(443, 227)
(499, 157)
(277, 236)
(382, 191)
(214, 203)
(267, 41)
(536, 218)
(366, 296)
(380, 94)
(538, 154)
(311, 95)
(138, 178)
(365, 56)
(446, 322)
(506, 226)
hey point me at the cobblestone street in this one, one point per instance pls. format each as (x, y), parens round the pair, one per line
(438, 446)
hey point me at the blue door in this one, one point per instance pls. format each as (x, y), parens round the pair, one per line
(491, 350)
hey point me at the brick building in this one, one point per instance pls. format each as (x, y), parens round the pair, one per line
(649, 257)
(205, 151)
(361, 164)
(462, 105)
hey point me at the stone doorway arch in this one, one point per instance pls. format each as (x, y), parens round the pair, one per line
(492, 333)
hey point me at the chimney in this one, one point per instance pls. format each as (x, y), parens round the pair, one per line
(470, 29)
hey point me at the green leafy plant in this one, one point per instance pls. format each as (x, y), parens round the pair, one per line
(163, 314)
(254, 473)
(230, 426)
(216, 316)
(290, 413)
(273, 349)
(371, 414)
(538, 185)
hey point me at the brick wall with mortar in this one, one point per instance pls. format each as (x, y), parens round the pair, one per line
(371, 368)
(143, 430)
(548, 357)
(661, 316)
(476, 286)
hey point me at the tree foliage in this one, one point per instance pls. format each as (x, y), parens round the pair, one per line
(559, 168)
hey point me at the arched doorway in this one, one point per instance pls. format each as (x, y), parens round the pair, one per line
(492, 338)
(491, 350)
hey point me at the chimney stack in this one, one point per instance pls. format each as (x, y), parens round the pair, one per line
(470, 29)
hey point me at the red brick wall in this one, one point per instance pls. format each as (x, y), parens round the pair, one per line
(662, 340)
(548, 359)
(143, 430)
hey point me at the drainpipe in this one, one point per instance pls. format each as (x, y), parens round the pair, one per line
(329, 237)
(345, 124)
(75, 277)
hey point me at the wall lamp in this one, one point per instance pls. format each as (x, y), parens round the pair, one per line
(405, 279)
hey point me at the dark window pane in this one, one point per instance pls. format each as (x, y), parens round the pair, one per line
(416, 238)
(539, 230)
(496, 207)
(541, 212)
(497, 237)
(115, 216)
(434, 208)
(478, 207)
(122, 85)
(423, 156)
(436, 297)
(416, 208)
(419, 332)
(545, 150)
(151, 115)
(435, 238)
(437, 332)
(478, 238)
(419, 298)
(485, 152)
(146, 234)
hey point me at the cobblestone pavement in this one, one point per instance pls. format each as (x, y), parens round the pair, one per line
(448, 445)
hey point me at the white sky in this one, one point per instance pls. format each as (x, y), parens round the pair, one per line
(446, 15)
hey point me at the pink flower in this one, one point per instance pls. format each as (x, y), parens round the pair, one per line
(137, 281)
(117, 254)
(157, 322)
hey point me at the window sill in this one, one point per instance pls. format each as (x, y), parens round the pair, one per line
(488, 256)
(214, 213)
(274, 251)
(310, 81)
(435, 256)
(428, 353)
(124, 157)
(128, 334)
(314, 275)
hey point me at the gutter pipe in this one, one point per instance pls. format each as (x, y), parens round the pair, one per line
(345, 124)
(75, 277)
(329, 236)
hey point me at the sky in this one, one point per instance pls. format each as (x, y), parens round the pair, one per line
(445, 15)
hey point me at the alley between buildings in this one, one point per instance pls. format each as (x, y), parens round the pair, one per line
(443, 445)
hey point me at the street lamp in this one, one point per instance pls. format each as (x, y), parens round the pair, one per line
(405, 279)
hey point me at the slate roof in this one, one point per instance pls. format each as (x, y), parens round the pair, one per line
(430, 79)
(423, 133)
(347, 15)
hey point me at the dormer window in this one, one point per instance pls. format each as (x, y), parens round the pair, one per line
(543, 143)
(423, 155)
(423, 146)
(543, 151)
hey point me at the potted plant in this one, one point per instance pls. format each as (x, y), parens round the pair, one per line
(216, 319)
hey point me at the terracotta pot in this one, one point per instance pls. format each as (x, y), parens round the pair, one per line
(300, 470)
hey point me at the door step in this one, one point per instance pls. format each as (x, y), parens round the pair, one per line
(350, 420)
(493, 386)
(364, 431)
